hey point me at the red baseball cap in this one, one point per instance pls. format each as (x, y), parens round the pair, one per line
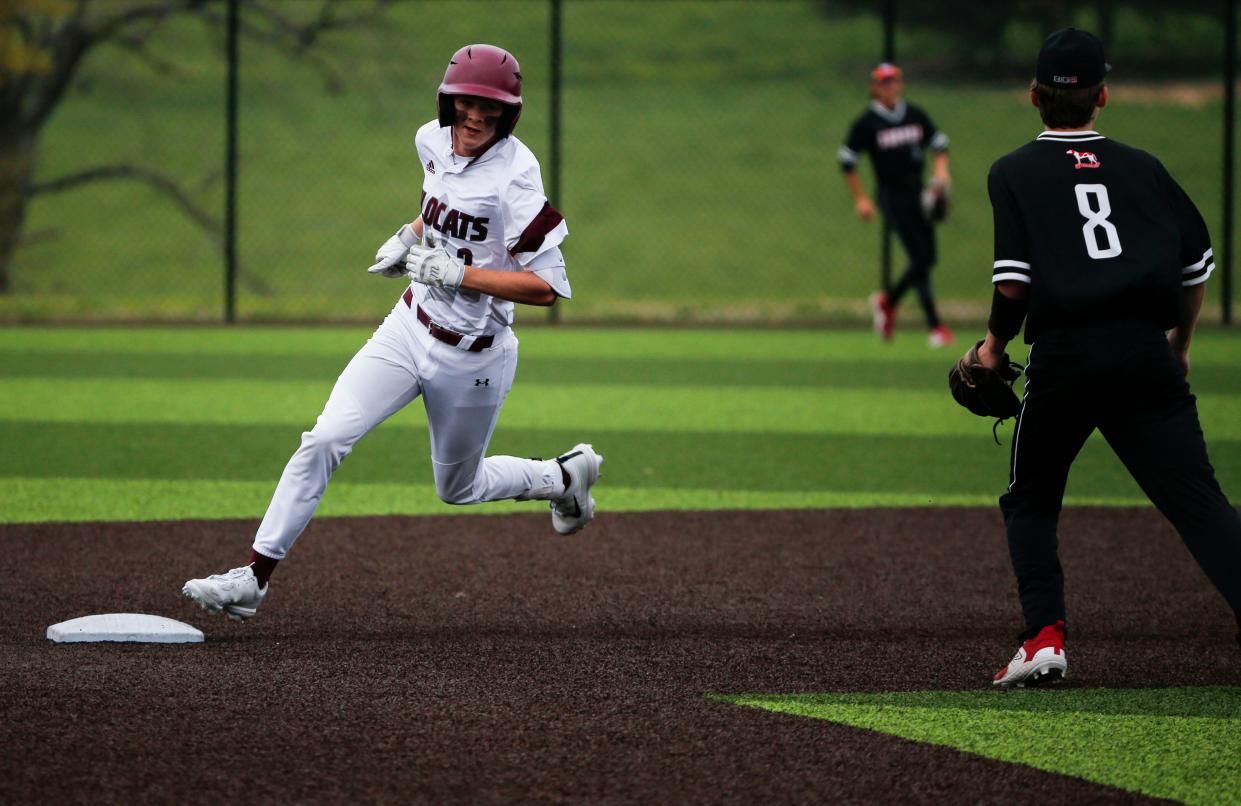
(885, 72)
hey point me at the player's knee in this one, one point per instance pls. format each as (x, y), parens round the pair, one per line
(456, 497)
(1028, 501)
(329, 440)
(455, 488)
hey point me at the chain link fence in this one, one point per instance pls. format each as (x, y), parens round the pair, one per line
(698, 140)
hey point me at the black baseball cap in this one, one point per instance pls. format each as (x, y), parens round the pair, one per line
(1071, 58)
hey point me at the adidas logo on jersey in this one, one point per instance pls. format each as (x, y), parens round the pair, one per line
(431, 167)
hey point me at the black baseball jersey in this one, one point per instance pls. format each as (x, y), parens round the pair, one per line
(1098, 229)
(896, 140)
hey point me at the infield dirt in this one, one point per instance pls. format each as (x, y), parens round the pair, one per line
(483, 658)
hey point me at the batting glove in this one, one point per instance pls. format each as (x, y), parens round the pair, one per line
(434, 266)
(390, 258)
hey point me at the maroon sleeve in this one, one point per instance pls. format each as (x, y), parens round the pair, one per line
(532, 236)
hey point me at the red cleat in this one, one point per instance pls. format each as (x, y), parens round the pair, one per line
(883, 313)
(1039, 661)
(940, 336)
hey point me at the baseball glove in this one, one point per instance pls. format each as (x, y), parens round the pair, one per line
(984, 391)
(935, 202)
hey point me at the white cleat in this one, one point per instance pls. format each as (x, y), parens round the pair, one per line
(1039, 661)
(939, 336)
(237, 593)
(577, 507)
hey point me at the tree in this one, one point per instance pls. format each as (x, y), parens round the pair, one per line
(44, 43)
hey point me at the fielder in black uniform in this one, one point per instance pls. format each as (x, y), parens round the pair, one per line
(897, 134)
(1105, 258)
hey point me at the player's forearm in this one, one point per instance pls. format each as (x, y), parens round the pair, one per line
(1191, 305)
(854, 183)
(992, 348)
(941, 166)
(515, 286)
(1008, 312)
(417, 227)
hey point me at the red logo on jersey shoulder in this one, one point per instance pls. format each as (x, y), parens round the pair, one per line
(1084, 159)
(431, 167)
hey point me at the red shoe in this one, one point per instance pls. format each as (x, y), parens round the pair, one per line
(1039, 661)
(940, 336)
(884, 315)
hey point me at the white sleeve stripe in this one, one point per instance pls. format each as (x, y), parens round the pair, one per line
(1203, 273)
(1024, 278)
(847, 155)
(1205, 257)
(1016, 264)
(939, 142)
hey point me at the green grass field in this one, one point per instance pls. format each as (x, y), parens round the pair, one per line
(157, 423)
(699, 183)
(1181, 744)
(699, 165)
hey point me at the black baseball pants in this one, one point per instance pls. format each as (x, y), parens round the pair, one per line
(902, 209)
(1124, 380)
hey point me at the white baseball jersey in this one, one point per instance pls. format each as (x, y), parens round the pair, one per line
(491, 211)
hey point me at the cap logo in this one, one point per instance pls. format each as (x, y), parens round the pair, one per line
(1064, 79)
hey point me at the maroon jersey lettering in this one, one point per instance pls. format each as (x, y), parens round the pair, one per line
(453, 223)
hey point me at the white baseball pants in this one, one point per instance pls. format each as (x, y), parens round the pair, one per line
(462, 392)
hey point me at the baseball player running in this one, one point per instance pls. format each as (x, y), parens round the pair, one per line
(486, 238)
(1100, 252)
(897, 134)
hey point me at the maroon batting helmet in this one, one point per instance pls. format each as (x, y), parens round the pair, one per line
(487, 72)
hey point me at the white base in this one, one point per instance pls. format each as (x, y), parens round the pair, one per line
(133, 627)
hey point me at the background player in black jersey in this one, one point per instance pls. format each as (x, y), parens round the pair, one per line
(897, 134)
(1105, 258)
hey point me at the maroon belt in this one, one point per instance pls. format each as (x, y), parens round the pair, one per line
(442, 333)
